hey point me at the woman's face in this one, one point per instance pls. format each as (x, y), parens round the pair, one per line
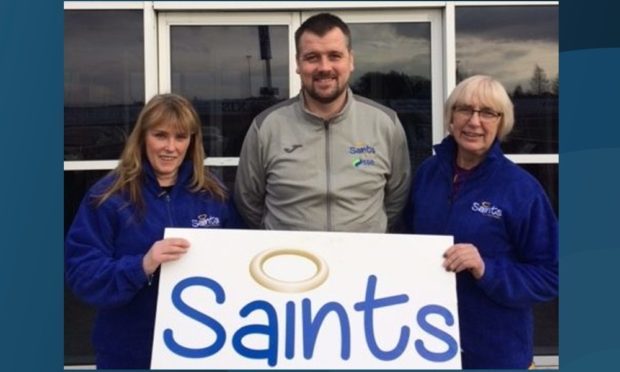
(165, 150)
(474, 128)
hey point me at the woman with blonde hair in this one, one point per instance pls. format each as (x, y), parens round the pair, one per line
(505, 252)
(115, 245)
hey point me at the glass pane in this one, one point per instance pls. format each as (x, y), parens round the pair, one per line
(231, 74)
(546, 326)
(104, 80)
(226, 175)
(78, 316)
(393, 67)
(546, 323)
(519, 47)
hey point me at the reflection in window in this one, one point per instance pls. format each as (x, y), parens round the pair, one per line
(393, 67)
(519, 47)
(231, 74)
(104, 80)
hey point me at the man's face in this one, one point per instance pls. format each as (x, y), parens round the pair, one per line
(324, 65)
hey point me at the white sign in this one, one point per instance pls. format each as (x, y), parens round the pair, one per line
(247, 299)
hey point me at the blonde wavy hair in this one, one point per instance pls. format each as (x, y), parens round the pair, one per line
(162, 109)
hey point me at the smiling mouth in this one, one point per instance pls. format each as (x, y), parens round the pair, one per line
(472, 135)
(324, 79)
(324, 83)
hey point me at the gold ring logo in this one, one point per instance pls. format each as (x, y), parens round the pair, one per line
(261, 277)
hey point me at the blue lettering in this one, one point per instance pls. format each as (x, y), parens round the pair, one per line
(178, 302)
(311, 327)
(367, 306)
(270, 330)
(438, 333)
(289, 349)
(361, 150)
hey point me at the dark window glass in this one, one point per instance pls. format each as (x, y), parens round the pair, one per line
(393, 67)
(226, 175)
(518, 45)
(546, 328)
(231, 74)
(78, 315)
(546, 315)
(104, 80)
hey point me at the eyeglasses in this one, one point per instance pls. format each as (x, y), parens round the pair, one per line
(486, 115)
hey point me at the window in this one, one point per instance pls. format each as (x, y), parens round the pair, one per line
(398, 60)
(104, 81)
(519, 47)
(231, 66)
(103, 94)
(231, 73)
(398, 75)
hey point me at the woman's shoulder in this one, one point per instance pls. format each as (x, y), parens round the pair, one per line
(100, 188)
(430, 165)
(516, 175)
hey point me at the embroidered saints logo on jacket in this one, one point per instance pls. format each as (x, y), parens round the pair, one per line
(487, 209)
(204, 220)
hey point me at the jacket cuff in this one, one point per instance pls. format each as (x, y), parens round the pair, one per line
(489, 277)
(135, 272)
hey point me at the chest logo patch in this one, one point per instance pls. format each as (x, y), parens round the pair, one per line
(204, 220)
(363, 155)
(487, 209)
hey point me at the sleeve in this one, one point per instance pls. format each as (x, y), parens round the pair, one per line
(91, 269)
(532, 276)
(399, 181)
(249, 193)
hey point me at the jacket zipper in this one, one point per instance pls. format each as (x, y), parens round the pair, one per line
(328, 207)
(167, 198)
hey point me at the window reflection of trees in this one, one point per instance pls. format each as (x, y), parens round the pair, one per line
(508, 44)
(536, 114)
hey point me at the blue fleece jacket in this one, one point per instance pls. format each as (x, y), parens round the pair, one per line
(504, 212)
(104, 248)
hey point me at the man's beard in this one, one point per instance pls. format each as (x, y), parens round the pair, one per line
(338, 90)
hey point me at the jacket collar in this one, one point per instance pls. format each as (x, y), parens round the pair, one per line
(446, 153)
(152, 185)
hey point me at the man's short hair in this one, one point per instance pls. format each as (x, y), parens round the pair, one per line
(320, 24)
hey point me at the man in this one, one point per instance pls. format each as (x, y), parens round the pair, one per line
(326, 159)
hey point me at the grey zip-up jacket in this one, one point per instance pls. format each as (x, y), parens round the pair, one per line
(299, 172)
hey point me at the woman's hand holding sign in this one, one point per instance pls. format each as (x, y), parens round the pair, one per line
(164, 250)
(461, 257)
